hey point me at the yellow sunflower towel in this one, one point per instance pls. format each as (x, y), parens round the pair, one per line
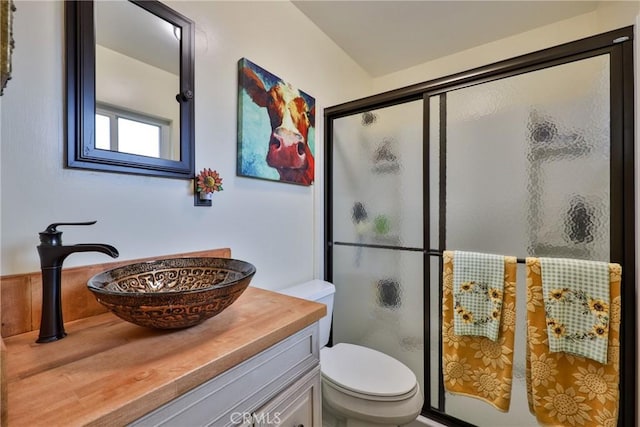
(477, 366)
(562, 388)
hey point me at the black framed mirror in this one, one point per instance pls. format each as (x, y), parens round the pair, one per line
(130, 80)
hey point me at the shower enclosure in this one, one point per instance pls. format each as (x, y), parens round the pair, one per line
(528, 157)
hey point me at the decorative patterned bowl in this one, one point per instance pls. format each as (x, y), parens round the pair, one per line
(172, 293)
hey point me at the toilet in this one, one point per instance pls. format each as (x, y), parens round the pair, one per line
(360, 386)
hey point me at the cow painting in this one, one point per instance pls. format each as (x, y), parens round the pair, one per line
(275, 127)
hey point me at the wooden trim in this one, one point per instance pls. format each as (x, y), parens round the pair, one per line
(21, 294)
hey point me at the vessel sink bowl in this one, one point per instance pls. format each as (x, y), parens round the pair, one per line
(172, 293)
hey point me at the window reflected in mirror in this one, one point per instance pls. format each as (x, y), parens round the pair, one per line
(133, 133)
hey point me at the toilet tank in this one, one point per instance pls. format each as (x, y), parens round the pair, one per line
(319, 291)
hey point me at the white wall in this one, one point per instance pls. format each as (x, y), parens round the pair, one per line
(270, 224)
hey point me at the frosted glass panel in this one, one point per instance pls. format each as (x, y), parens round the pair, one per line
(377, 176)
(528, 163)
(379, 302)
(528, 160)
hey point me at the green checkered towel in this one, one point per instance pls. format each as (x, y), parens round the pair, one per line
(478, 285)
(576, 305)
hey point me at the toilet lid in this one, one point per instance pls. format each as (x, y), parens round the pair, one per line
(366, 371)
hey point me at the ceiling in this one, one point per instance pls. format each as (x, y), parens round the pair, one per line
(388, 36)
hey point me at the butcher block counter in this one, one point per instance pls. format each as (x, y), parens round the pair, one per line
(110, 372)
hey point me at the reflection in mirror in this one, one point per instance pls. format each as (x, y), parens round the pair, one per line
(137, 83)
(129, 88)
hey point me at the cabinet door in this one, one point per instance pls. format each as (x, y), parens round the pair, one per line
(298, 406)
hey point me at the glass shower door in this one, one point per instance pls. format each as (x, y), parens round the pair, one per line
(378, 232)
(526, 173)
(531, 156)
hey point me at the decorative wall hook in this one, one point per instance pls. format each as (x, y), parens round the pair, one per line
(205, 184)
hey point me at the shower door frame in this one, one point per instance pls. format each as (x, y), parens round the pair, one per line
(619, 45)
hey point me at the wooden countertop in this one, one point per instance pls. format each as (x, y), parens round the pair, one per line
(110, 372)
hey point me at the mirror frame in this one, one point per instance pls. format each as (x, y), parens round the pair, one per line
(80, 92)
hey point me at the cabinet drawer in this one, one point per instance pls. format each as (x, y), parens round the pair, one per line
(298, 406)
(231, 397)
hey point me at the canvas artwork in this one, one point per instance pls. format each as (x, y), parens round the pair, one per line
(276, 123)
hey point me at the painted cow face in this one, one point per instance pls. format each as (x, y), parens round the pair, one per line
(290, 119)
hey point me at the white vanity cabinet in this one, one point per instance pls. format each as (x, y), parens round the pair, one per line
(279, 386)
(298, 406)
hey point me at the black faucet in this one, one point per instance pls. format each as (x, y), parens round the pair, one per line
(52, 254)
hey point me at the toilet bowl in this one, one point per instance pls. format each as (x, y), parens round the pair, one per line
(360, 386)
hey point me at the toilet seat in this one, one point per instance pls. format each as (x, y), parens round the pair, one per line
(328, 383)
(366, 373)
